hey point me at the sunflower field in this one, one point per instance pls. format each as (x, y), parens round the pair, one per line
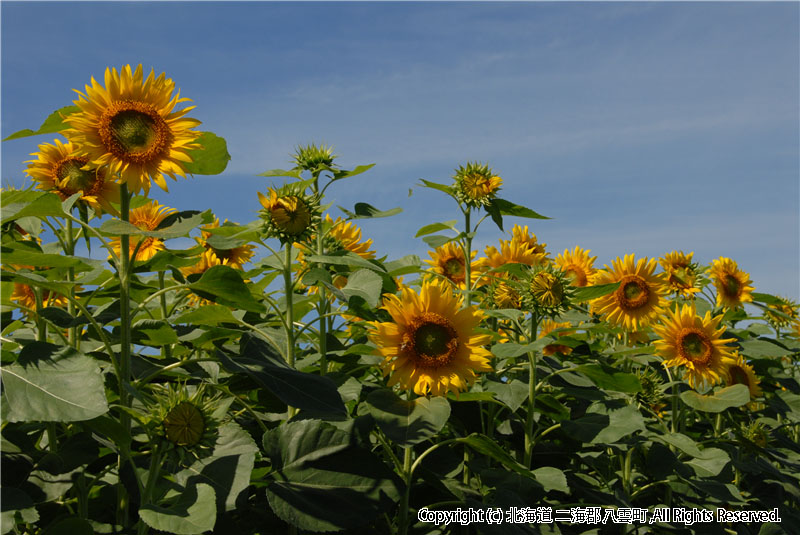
(283, 376)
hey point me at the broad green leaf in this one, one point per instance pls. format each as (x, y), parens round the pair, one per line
(166, 258)
(551, 478)
(437, 240)
(605, 426)
(512, 209)
(435, 227)
(486, 446)
(471, 396)
(306, 391)
(207, 315)
(587, 293)
(316, 275)
(52, 125)
(440, 187)
(13, 500)
(273, 173)
(682, 442)
(767, 299)
(609, 378)
(211, 158)
(344, 258)
(511, 349)
(710, 463)
(513, 394)
(53, 383)
(193, 513)
(725, 398)
(154, 333)
(72, 525)
(403, 266)
(321, 481)
(408, 423)
(179, 225)
(224, 285)
(762, 348)
(551, 407)
(362, 210)
(42, 205)
(366, 284)
(28, 256)
(339, 175)
(228, 468)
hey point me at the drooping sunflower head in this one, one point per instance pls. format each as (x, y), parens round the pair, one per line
(732, 284)
(131, 127)
(432, 344)
(577, 265)
(695, 343)
(781, 314)
(57, 168)
(312, 157)
(448, 262)
(681, 273)
(548, 326)
(345, 236)
(234, 257)
(289, 214)
(147, 217)
(505, 293)
(739, 372)
(511, 252)
(547, 291)
(183, 418)
(476, 185)
(652, 393)
(640, 297)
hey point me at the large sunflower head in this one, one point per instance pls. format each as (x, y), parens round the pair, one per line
(448, 262)
(688, 340)
(131, 127)
(577, 265)
(289, 214)
(739, 372)
(431, 345)
(234, 257)
(781, 314)
(57, 168)
(547, 327)
(346, 236)
(476, 185)
(147, 217)
(510, 252)
(681, 273)
(528, 239)
(732, 284)
(25, 296)
(640, 297)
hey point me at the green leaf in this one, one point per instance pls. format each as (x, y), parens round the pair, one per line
(53, 384)
(551, 478)
(292, 173)
(437, 240)
(513, 394)
(366, 284)
(551, 407)
(363, 210)
(228, 468)
(403, 266)
(587, 293)
(725, 398)
(53, 124)
(154, 333)
(605, 426)
(344, 258)
(511, 349)
(682, 442)
(193, 513)
(224, 285)
(509, 208)
(767, 299)
(710, 463)
(211, 158)
(435, 227)
(210, 315)
(486, 446)
(440, 187)
(28, 256)
(322, 482)
(42, 205)
(762, 348)
(339, 175)
(609, 378)
(72, 525)
(176, 226)
(407, 423)
(306, 391)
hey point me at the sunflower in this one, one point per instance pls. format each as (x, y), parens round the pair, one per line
(548, 292)
(57, 169)
(448, 262)
(527, 238)
(781, 314)
(431, 344)
(511, 252)
(640, 297)
(234, 257)
(577, 265)
(548, 326)
(732, 285)
(738, 372)
(694, 342)
(147, 217)
(25, 296)
(681, 273)
(476, 185)
(346, 236)
(311, 157)
(206, 261)
(505, 294)
(289, 214)
(131, 126)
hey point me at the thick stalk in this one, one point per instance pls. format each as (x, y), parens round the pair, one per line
(123, 269)
(529, 421)
(322, 310)
(467, 257)
(289, 289)
(407, 476)
(166, 348)
(152, 477)
(72, 333)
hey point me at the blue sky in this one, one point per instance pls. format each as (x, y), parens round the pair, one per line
(639, 128)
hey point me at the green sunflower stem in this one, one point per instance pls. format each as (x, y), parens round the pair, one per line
(166, 349)
(407, 476)
(467, 257)
(152, 477)
(529, 433)
(72, 333)
(322, 310)
(289, 290)
(123, 269)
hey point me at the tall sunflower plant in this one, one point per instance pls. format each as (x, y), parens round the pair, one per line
(281, 375)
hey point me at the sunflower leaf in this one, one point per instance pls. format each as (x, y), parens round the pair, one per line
(362, 210)
(36, 204)
(587, 293)
(434, 227)
(211, 158)
(53, 124)
(343, 173)
(725, 398)
(224, 285)
(509, 208)
(408, 423)
(609, 378)
(440, 187)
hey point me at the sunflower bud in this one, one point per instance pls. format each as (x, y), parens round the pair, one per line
(289, 214)
(547, 291)
(312, 158)
(476, 185)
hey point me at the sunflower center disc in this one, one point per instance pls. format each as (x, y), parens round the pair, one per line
(435, 341)
(77, 180)
(731, 285)
(184, 424)
(454, 268)
(136, 131)
(576, 275)
(633, 293)
(738, 376)
(696, 347)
